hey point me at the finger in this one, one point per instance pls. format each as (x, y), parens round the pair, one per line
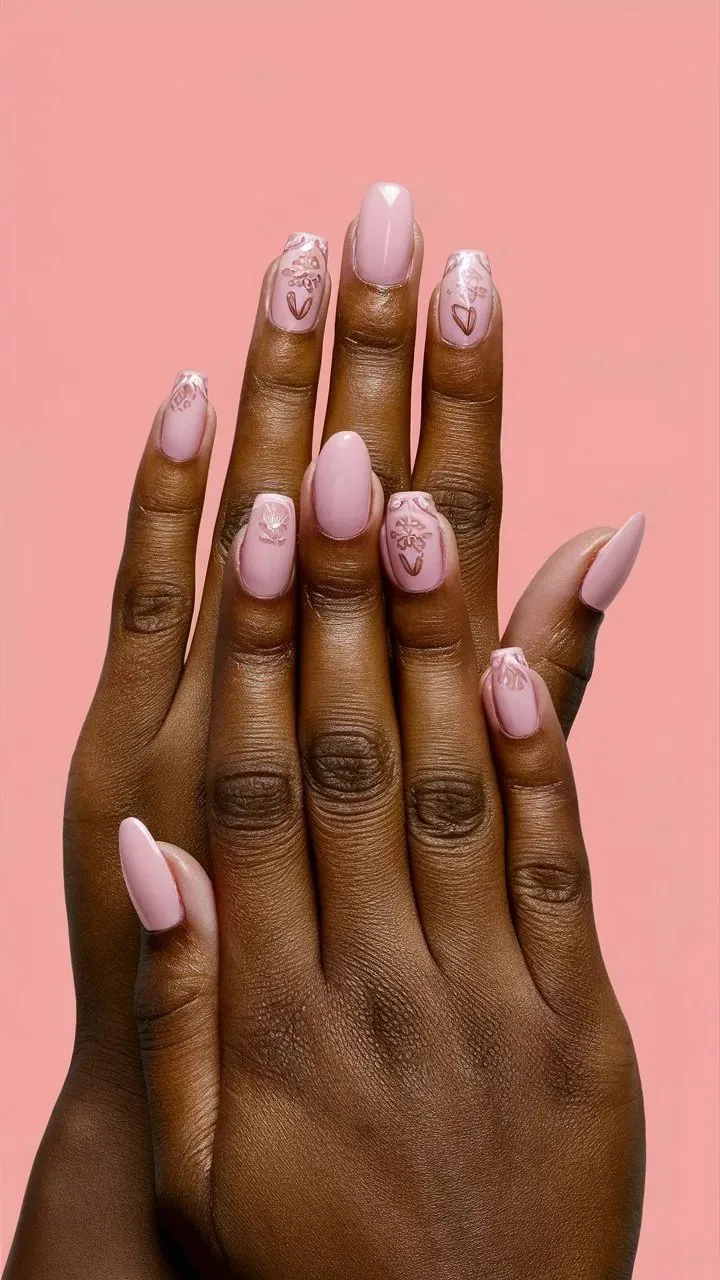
(547, 868)
(454, 818)
(154, 591)
(372, 365)
(557, 619)
(260, 865)
(458, 457)
(273, 436)
(176, 1013)
(348, 729)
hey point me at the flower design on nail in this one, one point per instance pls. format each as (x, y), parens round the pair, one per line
(188, 385)
(273, 524)
(510, 668)
(409, 533)
(304, 270)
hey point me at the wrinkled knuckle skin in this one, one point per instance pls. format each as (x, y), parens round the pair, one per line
(543, 884)
(446, 808)
(473, 512)
(235, 514)
(346, 764)
(244, 799)
(150, 608)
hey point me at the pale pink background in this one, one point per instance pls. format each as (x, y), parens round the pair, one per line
(156, 155)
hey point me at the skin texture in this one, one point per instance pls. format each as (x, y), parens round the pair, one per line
(387, 1045)
(89, 1209)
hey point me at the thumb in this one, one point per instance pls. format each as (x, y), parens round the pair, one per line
(176, 1010)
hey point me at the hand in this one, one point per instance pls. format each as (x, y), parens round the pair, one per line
(386, 1045)
(142, 748)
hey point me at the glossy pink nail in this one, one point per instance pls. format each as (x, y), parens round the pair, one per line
(267, 552)
(342, 485)
(414, 542)
(299, 280)
(611, 567)
(184, 421)
(149, 880)
(384, 237)
(513, 693)
(466, 298)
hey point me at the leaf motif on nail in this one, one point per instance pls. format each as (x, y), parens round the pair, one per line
(298, 312)
(511, 669)
(412, 569)
(464, 317)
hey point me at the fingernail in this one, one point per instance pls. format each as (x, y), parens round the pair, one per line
(148, 877)
(611, 567)
(184, 422)
(466, 298)
(342, 485)
(267, 553)
(384, 236)
(298, 289)
(414, 541)
(513, 693)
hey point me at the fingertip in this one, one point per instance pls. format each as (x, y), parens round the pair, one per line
(148, 878)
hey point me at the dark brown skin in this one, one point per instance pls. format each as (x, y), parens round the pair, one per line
(411, 1064)
(89, 1209)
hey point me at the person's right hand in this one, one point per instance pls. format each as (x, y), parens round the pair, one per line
(89, 1205)
(382, 1043)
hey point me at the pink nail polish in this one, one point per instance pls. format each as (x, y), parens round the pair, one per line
(342, 485)
(611, 567)
(466, 298)
(414, 541)
(267, 553)
(149, 880)
(513, 693)
(184, 422)
(384, 237)
(298, 289)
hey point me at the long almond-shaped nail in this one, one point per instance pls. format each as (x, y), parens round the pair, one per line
(513, 693)
(149, 880)
(612, 565)
(183, 425)
(342, 485)
(267, 552)
(384, 237)
(466, 298)
(414, 542)
(299, 280)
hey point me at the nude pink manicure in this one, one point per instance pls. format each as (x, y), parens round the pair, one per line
(513, 693)
(342, 485)
(384, 237)
(414, 542)
(611, 567)
(466, 298)
(149, 880)
(299, 279)
(183, 425)
(267, 552)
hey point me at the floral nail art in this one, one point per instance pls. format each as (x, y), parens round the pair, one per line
(298, 284)
(188, 385)
(466, 297)
(273, 524)
(510, 668)
(413, 541)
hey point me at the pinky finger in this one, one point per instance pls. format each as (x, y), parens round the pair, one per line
(176, 1011)
(547, 868)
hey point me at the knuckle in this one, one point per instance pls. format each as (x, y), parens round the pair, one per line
(449, 807)
(378, 337)
(283, 381)
(149, 607)
(344, 593)
(562, 882)
(349, 763)
(472, 510)
(165, 1014)
(245, 799)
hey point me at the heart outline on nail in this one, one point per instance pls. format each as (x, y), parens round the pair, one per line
(293, 306)
(464, 317)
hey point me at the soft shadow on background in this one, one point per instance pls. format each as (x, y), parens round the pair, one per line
(155, 156)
